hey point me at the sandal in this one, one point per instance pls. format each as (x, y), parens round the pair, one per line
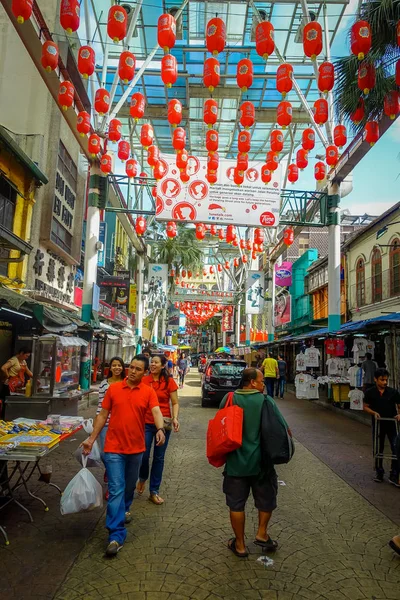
(232, 546)
(268, 546)
(156, 499)
(394, 547)
(140, 487)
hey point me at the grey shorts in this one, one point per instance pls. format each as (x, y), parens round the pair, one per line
(265, 491)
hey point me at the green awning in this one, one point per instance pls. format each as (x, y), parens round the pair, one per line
(20, 155)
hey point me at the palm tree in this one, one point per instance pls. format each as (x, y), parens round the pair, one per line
(382, 15)
(181, 252)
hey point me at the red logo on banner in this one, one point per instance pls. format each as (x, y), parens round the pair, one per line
(267, 219)
(198, 190)
(193, 165)
(184, 211)
(164, 166)
(159, 205)
(230, 173)
(252, 175)
(170, 188)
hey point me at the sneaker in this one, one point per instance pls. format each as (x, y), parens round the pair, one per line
(128, 517)
(113, 548)
(394, 481)
(378, 478)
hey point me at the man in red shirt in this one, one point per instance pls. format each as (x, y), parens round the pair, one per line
(128, 402)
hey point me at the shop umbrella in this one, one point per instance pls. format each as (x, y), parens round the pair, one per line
(223, 350)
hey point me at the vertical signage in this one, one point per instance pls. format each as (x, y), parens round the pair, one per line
(101, 254)
(132, 298)
(255, 292)
(227, 318)
(157, 280)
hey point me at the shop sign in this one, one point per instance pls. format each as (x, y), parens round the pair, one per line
(255, 293)
(101, 254)
(157, 291)
(132, 298)
(54, 278)
(283, 274)
(64, 201)
(227, 318)
(120, 317)
(114, 282)
(182, 324)
(282, 310)
(105, 310)
(78, 297)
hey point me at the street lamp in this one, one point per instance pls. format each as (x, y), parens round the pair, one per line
(384, 229)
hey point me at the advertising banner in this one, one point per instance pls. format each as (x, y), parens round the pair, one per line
(101, 254)
(255, 292)
(253, 202)
(157, 294)
(283, 274)
(182, 324)
(227, 318)
(132, 298)
(282, 310)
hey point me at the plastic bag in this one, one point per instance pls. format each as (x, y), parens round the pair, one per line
(93, 459)
(83, 493)
(88, 425)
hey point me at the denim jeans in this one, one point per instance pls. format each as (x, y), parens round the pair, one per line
(280, 387)
(122, 473)
(157, 466)
(270, 384)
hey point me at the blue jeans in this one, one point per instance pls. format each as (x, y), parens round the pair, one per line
(270, 384)
(158, 459)
(280, 387)
(122, 472)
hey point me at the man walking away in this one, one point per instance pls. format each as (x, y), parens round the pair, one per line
(244, 470)
(271, 373)
(382, 401)
(369, 367)
(280, 386)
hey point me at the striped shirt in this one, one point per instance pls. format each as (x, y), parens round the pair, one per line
(103, 387)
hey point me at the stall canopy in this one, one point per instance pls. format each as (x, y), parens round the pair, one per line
(166, 348)
(359, 325)
(56, 320)
(66, 340)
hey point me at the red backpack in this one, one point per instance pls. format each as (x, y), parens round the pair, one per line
(224, 433)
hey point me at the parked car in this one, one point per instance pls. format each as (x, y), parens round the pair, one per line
(220, 377)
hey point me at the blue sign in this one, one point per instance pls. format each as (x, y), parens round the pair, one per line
(96, 298)
(101, 254)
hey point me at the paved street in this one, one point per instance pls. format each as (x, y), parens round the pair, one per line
(333, 540)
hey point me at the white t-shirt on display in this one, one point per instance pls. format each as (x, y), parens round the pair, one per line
(312, 357)
(313, 392)
(333, 366)
(356, 399)
(359, 349)
(356, 376)
(301, 362)
(301, 382)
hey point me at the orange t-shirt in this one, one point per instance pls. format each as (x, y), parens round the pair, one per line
(163, 391)
(128, 406)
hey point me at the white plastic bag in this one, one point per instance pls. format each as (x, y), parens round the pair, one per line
(94, 458)
(83, 493)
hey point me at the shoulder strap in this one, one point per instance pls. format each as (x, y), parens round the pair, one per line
(229, 400)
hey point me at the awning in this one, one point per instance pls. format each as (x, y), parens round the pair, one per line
(393, 318)
(20, 155)
(14, 299)
(65, 340)
(9, 240)
(103, 327)
(56, 320)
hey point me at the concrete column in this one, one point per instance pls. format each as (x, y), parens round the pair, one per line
(92, 237)
(224, 338)
(271, 302)
(334, 317)
(154, 338)
(139, 305)
(163, 326)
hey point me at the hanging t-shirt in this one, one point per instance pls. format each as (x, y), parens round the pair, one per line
(313, 392)
(330, 347)
(356, 399)
(370, 348)
(356, 376)
(340, 347)
(332, 365)
(312, 357)
(300, 362)
(343, 366)
(359, 349)
(301, 382)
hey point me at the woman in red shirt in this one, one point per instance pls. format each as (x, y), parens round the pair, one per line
(166, 389)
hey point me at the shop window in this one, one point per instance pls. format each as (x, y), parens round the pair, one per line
(376, 268)
(304, 243)
(394, 261)
(8, 198)
(360, 282)
(61, 237)
(67, 167)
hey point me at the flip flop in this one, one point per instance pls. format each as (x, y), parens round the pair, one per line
(156, 499)
(268, 546)
(394, 547)
(232, 546)
(140, 491)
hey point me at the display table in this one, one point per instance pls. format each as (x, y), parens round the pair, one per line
(38, 407)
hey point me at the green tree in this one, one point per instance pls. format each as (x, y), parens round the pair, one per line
(181, 252)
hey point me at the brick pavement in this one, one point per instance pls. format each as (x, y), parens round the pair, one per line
(333, 542)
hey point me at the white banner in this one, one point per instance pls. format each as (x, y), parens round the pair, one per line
(157, 293)
(255, 292)
(253, 203)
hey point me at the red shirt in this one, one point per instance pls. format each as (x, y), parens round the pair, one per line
(128, 406)
(163, 391)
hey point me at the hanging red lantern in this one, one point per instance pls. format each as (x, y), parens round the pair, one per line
(302, 158)
(293, 173)
(117, 23)
(183, 273)
(247, 114)
(366, 77)
(271, 161)
(266, 174)
(184, 176)
(83, 123)
(308, 139)
(166, 32)
(332, 155)
(131, 168)
(126, 66)
(320, 171)
(288, 236)
(114, 130)
(138, 104)
(220, 268)
(238, 177)
(276, 141)
(265, 44)
(340, 136)
(189, 274)
(242, 163)
(169, 70)
(391, 104)
(211, 73)
(371, 132)
(171, 232)
(50, 55)
(179, 139)
(143, 178)
(230, 233)
(213, 230)
(212, 162)
(154, 191)
(124, 150)
(221, 234)
(200, 231)
(212, 140)
(212, 270)
(106, 164)
(321, 111)
(174, 112)
(182, 160)
(360, 39)
(146, 135)
(244, 74)
(215, 36)
(258, 235)
(244, 141)
(66, 92)
(70, 15)
(227, 264)
(284, 79)
(94, 144)
(254, 255)
(255, 247)
(248, 244)
(210, 113)
(326, 77)
(159, 170)
(140, 225)
(358, 115)
(177, 283)
(284, 114)
(172, 273)
(22, 10)
(312, 39)
(212, 178)
(235, 262)
(153, 155)
(397, 74)
(86, 61)
(102, 101)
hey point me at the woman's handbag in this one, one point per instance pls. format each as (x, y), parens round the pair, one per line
(224, 432)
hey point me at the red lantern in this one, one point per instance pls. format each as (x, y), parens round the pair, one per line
(230, 233)
(138, 104)
(213, 162)
(153, 155)
(371, 132)
(183, 273)
(266, 174)
(189, 274)
(212, 270)
(172, 272)
(166, 32)
(288, 236)
(308, 139)
(159, 170)
(210, 112)
(319, 171)
(221, 234)
(94, 144)
(236, 262)
(244, 74)
(284, 114)
(247, 114)
(238, 177)
(114, 130)
(215, 36)
(293, 173)
(220, 268)
(321, 111)
(212, 140)
(366, 77)
(271, 161)
(124, 150)
(86, 61)
(391, 104)
(49, 58)
(248, 244)
(171, 230)
(212, 178)
(242, 163)
(302, 158)
(213, 230)
(340, 136)
(174, 112)
(312, 39)
(146, 135)
(332, 155)
(102, 101)
(66, 93)
(227, 264)
(69, 15)
(244, 141)
(200, 231)
(258, 235)
(154, 191)
(182, 159)
(254, 255)
(126, 66)
(83, 123)
(106, 164)
(117, 23)
(22, 10)
(276, 141)
(211, 73)
(244, 259)
(358, 115)
(326, 77)
(184, 176)
(131, 168)
(397, 76)
(169, 70)
(360, 39)
(140, 225)
(179, 139)
(284, 81)
(265, 44)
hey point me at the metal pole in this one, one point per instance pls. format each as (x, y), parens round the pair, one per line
(139, 306)
(237, 335)
(271, 303)
(334, 317)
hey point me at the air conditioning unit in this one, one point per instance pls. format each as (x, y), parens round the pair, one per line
(263, 17)
(299, 33)
(179, 24)
(130, 8)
